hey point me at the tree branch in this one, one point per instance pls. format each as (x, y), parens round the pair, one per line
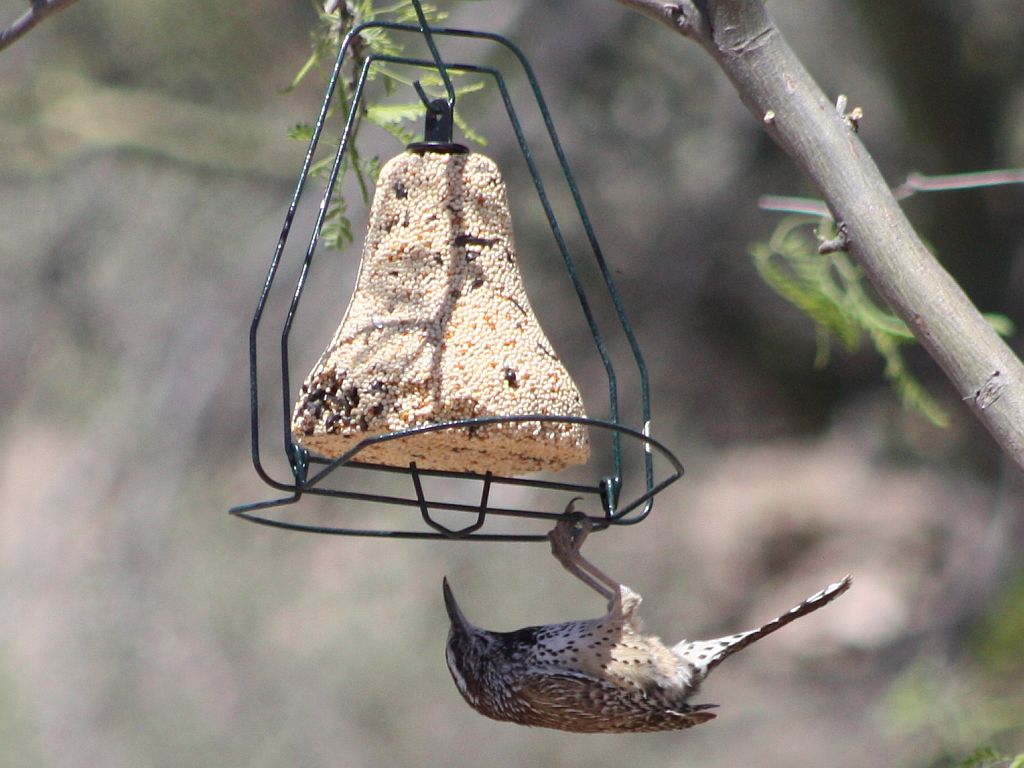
(38, 10)
(791, 107)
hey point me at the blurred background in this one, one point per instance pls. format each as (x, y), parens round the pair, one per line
(144, 173)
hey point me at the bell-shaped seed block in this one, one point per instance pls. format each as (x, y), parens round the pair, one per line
(439, 329)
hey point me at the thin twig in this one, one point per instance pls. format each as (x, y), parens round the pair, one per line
(787, 204)
(920, 182)
(38, 10)
(915, 182)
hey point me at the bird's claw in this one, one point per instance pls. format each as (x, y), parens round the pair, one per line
(569, 533)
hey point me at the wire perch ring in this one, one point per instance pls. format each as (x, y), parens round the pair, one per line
(438, 132)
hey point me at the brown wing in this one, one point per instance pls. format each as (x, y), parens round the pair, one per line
(586, 705)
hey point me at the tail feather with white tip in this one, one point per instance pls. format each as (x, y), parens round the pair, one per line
(705, 655)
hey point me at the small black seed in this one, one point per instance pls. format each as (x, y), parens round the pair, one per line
(465, 239)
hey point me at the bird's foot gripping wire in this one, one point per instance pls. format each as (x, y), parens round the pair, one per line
(566, 539)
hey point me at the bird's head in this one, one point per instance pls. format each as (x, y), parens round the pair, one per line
(467, 649)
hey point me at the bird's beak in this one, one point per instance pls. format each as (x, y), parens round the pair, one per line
(457, 619)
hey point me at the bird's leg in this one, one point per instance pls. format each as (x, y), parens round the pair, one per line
(566, 539)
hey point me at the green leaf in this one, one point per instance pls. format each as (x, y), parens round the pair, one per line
(301, 132)
(986, 757)
(1001, 324)
(306, 68)
(833, 292)
(386, 115)
(912, 393)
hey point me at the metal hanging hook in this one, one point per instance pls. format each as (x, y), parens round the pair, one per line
(427, 101)
(441, 68)
(439, 127)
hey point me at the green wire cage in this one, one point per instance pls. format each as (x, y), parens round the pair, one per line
(437, 497)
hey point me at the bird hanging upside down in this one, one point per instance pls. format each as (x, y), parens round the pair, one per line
(595, 676)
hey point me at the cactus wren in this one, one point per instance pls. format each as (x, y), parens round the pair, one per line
(596, 676)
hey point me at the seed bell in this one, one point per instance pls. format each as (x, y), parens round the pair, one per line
(439, 329)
